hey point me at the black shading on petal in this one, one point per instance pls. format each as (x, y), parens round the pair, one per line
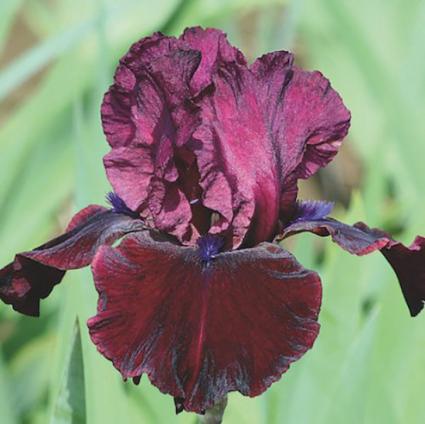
(407, 262)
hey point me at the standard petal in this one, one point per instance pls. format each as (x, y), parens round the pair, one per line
(307, 118)
(254, 131)
(407, 262)
(147, 116)
(215, 50)
(33, 274)
(262, 129)
(200, 324)
(239, 167)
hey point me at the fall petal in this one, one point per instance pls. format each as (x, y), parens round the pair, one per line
(407, 262)
(33, 274)
(201, 324)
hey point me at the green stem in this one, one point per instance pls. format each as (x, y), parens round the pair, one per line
(215, 414)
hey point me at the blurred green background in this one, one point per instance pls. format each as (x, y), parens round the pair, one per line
(57, 58)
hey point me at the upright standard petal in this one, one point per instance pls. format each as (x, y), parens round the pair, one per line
(33, 274)
(201, 323)
(407, 262)
(146, 116)
(215, 50)
(263, 128)
(306, 117)
(239, 167)
(253, 131)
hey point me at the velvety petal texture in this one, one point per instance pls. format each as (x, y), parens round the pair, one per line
(201, 323)
(407, 262)
(192, 105)
(33, 274)
(214, 49)
(142, 165)
(148, 113)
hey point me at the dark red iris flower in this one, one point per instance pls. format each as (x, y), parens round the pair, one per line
(206, 153)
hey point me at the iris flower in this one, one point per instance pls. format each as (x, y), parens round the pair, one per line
(206, 154)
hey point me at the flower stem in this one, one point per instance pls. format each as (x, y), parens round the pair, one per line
(215, 414)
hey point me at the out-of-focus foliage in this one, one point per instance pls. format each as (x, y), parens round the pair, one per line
(57, 59)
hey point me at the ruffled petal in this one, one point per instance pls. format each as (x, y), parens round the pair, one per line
(23, 283)
(202, 324)
(307, 118)
(253, 131)
(215, 50)
(407, 262)
(262, 129)
(33, 274)
(239, 166)
(146, 116)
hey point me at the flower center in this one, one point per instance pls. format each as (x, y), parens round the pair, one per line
(209, 246)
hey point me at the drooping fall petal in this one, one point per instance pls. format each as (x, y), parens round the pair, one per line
(407, 262)
(33, 274)
(201, 323)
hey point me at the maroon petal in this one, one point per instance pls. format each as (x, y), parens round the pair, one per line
(253, 131)
(33, 274)
(407, 262)
(239, 166)
(262, 129)
(202, 324)
(24, 282)
(307, 118)
(215, 50)
(146, 116)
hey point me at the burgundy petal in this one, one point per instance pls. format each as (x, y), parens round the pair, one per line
(262, 129)
(83, 215)
(24, 282)
(307, 118)
(239, 166)
(407, 262)
(146, 116)
(33, 274)
(253, 131)
(201, 325)
(215, 50)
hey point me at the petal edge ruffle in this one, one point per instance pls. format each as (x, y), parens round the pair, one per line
(200, 330)
(33, 274)
(407, 262)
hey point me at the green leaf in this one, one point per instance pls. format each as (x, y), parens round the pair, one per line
(38, 57)
(70, 405)
(8, 414)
